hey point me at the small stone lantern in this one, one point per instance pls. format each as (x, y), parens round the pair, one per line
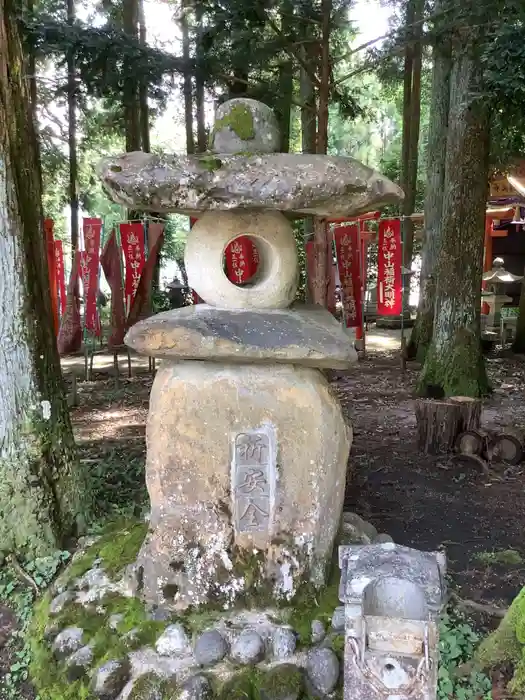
(497, 279)
(392, 597)
(247, 447)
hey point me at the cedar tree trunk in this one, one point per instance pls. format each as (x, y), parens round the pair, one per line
(437, 147)
(42, 492)
(454, 363)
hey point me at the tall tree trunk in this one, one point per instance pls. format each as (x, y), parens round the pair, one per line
(72, 136)
(411, 126)
(437, 148)
(143, 87)
(519, 341)
(130, 92)
(322, 240)
(286, 77)
(202, 136)
(187, 86)
(42, 490)
(454, 363)
(308, 115)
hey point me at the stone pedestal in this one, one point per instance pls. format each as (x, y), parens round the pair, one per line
(246, 463)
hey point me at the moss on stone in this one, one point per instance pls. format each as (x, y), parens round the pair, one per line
(313, 603)
(239, 687)
(278, 683)
(210, 162)
(506, 645)
(48, 674)
(240, 120)
(116, 548)
(152, 687)
(338, 644)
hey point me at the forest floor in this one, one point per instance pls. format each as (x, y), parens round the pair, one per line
(421, 501)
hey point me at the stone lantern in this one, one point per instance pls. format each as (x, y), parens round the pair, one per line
(393, 596)
(247, 447)
(497, 279)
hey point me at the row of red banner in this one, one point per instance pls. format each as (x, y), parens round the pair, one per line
(130, 297)
(350, 245)
(241, 259)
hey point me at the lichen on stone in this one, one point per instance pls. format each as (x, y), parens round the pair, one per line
(240, 120)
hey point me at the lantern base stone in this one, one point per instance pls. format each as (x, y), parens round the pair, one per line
(246, 474)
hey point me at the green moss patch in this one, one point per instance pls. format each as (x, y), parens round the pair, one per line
(277, 683)
(151, 687)
(240, 120)
(506, 645)
(116, 548)
(313, 603)
(48, 674)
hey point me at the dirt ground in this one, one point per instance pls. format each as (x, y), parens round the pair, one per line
(420, 501)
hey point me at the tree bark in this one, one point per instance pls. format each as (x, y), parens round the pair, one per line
(72, 136)
(519, 340)
(143, 87)
(308, 116)
(202, 136)
(322, 240)
(187, 86)
(454, 362)
(130, 92)
(43, 495)
(411, 125)
(437, 147)
(286, 76)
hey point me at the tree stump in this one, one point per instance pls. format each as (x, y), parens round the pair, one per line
(507, 447)
(439, 423)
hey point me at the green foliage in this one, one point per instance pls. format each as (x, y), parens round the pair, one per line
(508, 557)
(457, 643)
(15, 593)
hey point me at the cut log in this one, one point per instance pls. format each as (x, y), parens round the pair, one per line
(471, 442)
(507, 447)
(472, 462)
(439, 423)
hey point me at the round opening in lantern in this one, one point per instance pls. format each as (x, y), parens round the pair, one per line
(244, 261)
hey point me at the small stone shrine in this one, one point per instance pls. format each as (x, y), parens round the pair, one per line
(393, 596)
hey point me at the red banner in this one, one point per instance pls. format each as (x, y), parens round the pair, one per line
(347, 250)
(111, 261)
(310, 272)
(50, 253)
(132, 239)
(60, 275)
(70, 335)
(389, 278)
(89, 262)
(141, 306)
(242, 258)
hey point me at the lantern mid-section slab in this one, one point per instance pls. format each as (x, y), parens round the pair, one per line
(301, 335)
